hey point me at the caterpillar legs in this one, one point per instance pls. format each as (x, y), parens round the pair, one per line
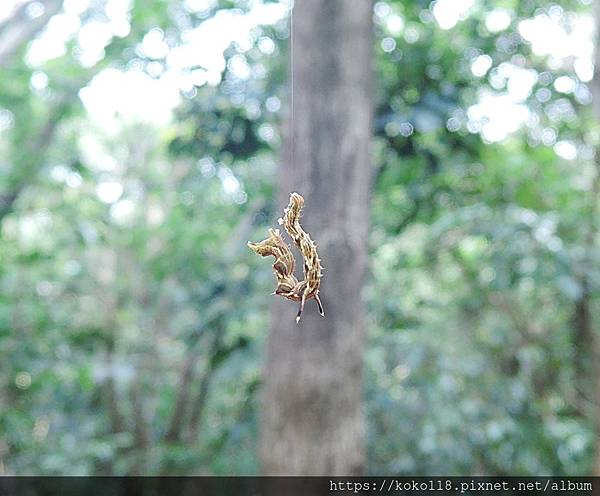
(320, 305)
(301, 309)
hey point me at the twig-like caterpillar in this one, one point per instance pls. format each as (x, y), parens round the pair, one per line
(288, 285)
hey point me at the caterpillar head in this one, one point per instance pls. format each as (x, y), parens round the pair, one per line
(267, 246)
(296, 200)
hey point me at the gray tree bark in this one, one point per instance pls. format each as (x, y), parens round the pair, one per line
(313, 419)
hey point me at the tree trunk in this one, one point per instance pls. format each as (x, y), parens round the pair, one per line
(312, 418)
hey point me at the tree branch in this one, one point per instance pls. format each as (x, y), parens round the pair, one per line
(183, 394)
(117, 423)
(21, 28)
(32, 158)
(140, 428)
(204, 386)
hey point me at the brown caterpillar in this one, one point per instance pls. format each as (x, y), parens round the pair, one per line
(288, 285)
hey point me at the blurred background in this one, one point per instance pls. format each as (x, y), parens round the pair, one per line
(140, 145)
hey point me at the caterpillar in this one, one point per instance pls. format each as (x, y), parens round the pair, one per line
(288, 285)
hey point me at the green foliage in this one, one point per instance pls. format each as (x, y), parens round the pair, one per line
(122, 257)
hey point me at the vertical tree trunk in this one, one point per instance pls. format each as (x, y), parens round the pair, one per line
(312, 417)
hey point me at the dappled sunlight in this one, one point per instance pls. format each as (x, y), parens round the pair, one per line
(453, 192)
(115, 96)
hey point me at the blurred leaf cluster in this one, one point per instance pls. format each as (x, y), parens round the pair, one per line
(132, 317)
